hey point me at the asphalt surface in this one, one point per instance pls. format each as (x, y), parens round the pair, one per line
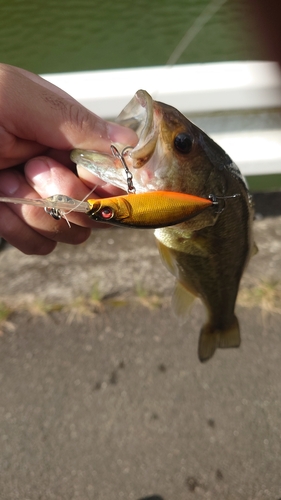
(102, 395)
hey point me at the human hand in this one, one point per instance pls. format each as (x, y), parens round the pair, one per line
(39, 125)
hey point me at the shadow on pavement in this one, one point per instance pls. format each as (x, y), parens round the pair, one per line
(153, 497)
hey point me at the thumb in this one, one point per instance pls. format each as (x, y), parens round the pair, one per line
(35, 110)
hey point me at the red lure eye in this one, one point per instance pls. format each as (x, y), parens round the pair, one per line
(107, 213)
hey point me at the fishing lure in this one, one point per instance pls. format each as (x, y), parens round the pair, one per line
(152, 209)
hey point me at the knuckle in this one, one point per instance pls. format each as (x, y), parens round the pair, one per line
(79, 118)
(85, 123)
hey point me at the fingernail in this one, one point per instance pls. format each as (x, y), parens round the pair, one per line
(124, 135)
(10, 183)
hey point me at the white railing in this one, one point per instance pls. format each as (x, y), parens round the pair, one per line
(196, 88)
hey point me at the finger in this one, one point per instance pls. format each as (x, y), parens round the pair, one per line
(49, 118)
(14, 150)
(104, 188)
(16, 232)
(14, 183)
(48, 177)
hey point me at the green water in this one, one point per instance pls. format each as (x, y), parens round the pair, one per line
(259, 183)
(59, 35)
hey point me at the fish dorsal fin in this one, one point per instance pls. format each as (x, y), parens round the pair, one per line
(182, 301)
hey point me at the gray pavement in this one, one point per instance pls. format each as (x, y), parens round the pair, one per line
(101, 393)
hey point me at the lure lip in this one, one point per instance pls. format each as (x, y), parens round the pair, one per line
(56, 202)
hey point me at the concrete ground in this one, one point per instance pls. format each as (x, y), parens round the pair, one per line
(102, 395)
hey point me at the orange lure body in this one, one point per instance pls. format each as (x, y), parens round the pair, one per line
(153, 209)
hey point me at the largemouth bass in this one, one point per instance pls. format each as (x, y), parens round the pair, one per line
(208, 253)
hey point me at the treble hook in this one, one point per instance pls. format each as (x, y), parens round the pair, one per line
(131, 188)
(56, 213)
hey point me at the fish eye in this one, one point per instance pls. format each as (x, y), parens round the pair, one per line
(183, 143)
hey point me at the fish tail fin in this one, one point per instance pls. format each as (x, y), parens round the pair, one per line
(211, 338)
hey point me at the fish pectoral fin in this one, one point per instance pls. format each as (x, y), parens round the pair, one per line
(182, 301)
(255, 250)
(167, 257)
(212, 338)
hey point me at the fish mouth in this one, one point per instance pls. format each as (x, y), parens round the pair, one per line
(138, 115)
